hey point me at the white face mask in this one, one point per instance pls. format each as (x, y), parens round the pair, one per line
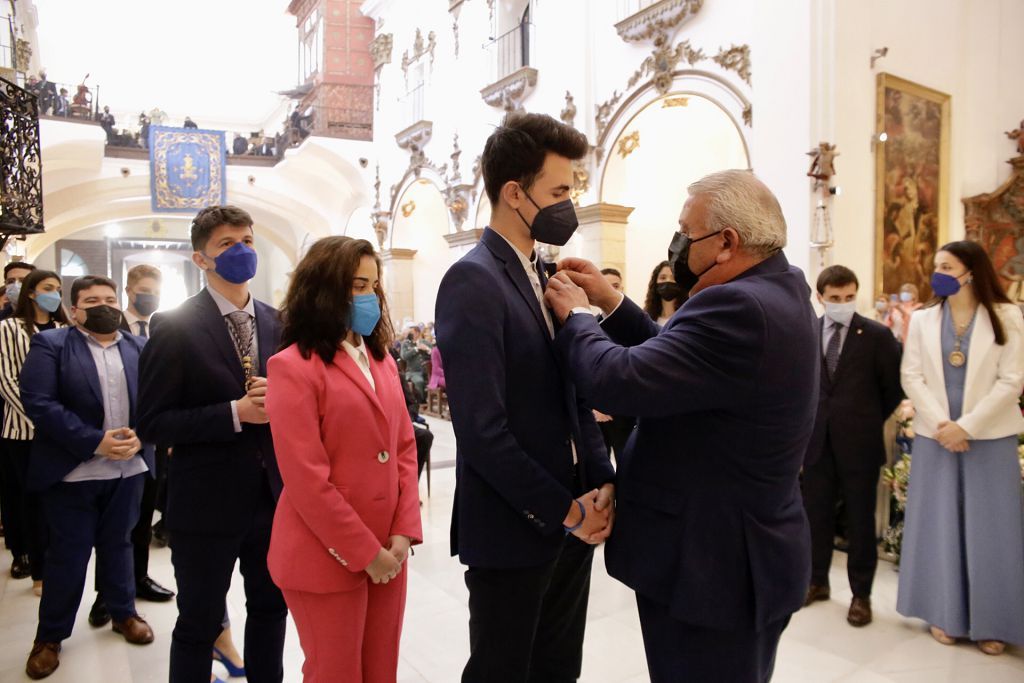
(841, 313)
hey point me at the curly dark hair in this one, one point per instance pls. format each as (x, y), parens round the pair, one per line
(652, 304)
(317, 308)
(517, 148)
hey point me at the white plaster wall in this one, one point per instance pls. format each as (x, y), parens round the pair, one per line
(970, 49)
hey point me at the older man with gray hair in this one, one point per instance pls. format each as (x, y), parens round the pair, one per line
(710, 530)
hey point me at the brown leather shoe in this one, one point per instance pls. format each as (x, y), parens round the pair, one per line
(816, 594)
(135, 630)
(860, 612)
(43, 660)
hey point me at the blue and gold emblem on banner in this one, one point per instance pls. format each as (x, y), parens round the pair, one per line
(186, 168)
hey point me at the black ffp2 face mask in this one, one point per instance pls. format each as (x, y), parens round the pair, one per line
(669, 291)
(679, 259)
(102, 319)
(553, 224)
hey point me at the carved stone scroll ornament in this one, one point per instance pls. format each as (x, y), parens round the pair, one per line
(508, 93)
(662, 19)
(457, 194)
(380, 52)
(568, 114)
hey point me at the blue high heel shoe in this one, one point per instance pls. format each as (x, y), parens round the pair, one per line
(233, 671)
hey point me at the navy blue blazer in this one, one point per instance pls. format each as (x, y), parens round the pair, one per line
(189, 374)
(710, 520)
(514, 413)
(60, 389)
(854, 404)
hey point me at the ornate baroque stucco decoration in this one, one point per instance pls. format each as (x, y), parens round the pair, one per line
(454, 7)
(380, 51)
(661, 19)
(568, 114)
(629, 143)
(508, 93)
(659, 23)
(22, 55)
(457, 194)
(418, 50)
(379, 218)
(736, 58)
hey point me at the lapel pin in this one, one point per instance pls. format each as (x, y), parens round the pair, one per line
(860, 331)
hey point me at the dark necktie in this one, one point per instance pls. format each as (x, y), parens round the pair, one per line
(832, 352)
(143, 332)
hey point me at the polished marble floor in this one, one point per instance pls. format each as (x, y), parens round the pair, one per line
(818, 646)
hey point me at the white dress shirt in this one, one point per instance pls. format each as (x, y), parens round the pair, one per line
(529, 264)
(133, 323)
(358, 354)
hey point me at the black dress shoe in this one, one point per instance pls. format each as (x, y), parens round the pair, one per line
(21, 568)
(160, 537)
(148, 589)
(99, 615)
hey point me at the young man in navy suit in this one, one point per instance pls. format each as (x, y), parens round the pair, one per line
(710, 530)
(79, 388)
(534, 484)
(202, 389)
(860, 387)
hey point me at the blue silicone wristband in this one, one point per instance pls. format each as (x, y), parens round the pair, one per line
(583, 516)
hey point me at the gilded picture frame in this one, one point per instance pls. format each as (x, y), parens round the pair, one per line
(912, 129)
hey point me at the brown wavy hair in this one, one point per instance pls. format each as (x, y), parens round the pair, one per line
(987, 288)
(318, 307)
(24, 308)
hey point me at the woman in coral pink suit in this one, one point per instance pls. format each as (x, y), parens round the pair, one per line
(350, 508)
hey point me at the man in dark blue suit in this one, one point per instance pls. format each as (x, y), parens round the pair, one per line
(860, 387)
(710, 529)
(201, 389)
(531, 463)
(79, 386)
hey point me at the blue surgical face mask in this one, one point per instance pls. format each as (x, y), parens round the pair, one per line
(48, 301)
(365, 314)
(237, 264)
(13, 292)
(906, 297)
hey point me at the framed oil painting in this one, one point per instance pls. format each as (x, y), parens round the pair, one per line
(911, 183)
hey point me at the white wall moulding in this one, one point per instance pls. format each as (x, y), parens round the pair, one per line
(398, 254)
(603, 213)
(464, 237)
(508, 93)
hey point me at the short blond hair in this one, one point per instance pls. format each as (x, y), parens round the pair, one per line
(141, 271)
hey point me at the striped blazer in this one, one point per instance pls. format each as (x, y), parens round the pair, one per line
(14, 343)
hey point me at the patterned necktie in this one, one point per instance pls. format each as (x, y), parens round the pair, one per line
(832, 352)
(143, 332)
(240, 326)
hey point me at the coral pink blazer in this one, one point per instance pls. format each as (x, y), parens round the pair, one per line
(348, 460)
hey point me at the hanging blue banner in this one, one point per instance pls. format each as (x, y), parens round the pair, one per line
(186, 168)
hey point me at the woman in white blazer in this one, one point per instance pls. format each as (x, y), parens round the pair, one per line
(962, 564)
